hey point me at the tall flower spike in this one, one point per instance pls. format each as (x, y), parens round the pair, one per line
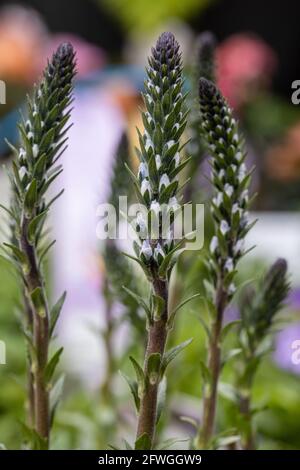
(258, 308)
(157, 185)
(230, 180)
(43, 139)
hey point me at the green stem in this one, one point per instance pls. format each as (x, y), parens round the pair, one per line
(214, 366)
(157, 337)
(34, 279)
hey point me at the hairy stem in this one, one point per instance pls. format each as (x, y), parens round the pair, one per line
(245, 409)
(40, 319)
(157, 337)
(214, 366)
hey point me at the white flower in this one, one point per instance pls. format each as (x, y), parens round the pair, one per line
(242, 172)
(170, 143)
(158, 251)
(164, 181)
(229, 265)
(155, 206)
(158, 162)
(146, 249)
(239, 156)
(30, 135)
(168, 239)
(238, 247)
(42, 124)
(176, 159)
(157, 89)
(245, 195)
(224, 227)
(231, 289)
(235, 138)
(35, 150)
(173, 203)
(213, 244)
(221, 173)
(228, 189)
(148, 144)
(22, 153)
(218, 199)
(141, 225)
(143, 170)
(145, 187)
(28, 124)
(235, 208)
(22, 172)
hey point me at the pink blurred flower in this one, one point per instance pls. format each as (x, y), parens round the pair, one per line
(245, 63)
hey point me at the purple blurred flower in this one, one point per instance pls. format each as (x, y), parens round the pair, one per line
(284, 348)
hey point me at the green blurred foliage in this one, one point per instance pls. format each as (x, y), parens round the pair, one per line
(136, 15)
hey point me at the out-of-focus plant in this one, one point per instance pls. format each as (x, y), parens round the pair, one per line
(229, 207)
(34, 169)
(258, 309)
(132, 14)
(157, 187)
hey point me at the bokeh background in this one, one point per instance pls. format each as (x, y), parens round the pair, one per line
(258, 58)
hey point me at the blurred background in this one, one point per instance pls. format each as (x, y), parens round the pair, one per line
(258, 58)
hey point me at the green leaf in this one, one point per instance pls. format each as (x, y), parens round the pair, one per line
(230, 354)
(179, 306)
(17, 253)
(172, 353)
(143, 442)
(229, 392)
(51, 366)
(31, 196)
(205, 372)
(55, 312)
(34, 225)
(139, 301)
(161, 398)
(139, 262)
(38, 300)
(45, 251)
(170, 442)
(55, 396)
(158, 306)
(227, 328)
(133, 386)
(153, 367)
(36, 441)
(139, 375)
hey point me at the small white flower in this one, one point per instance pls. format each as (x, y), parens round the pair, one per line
(149, 98)
(155, 206)
(164, 181)
(235, 138)
(173, 203)
(245, 196)
(170, 143)
(158, 251)
(148, 144)
(242, 172)
(239, 247)
(22, 172)
(42, 124)
(176, 159)
(231, 289)
(239, 156)
(213, 244)
(146, 249)
(224, 227)
(229, 265)
(158, 162)
(143, 171)
(28, 124)
(30, 135)
(157, 89)
(235, 208)
(35, 150)
(145, 187)
(218, 199)
(221, 173)
(228, 189)
(141, 225)
(168, 239)
(22, 153)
